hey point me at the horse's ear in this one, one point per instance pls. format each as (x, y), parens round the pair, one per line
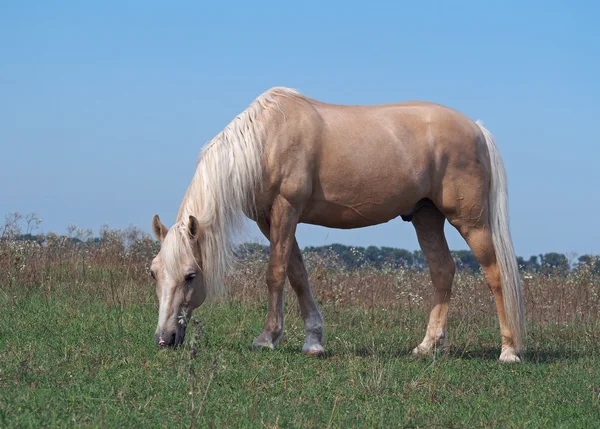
(194, 229)
(159, 230)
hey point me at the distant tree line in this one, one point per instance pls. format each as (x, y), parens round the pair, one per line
(380, 257)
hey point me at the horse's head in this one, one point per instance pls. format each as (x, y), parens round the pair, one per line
(177, 271)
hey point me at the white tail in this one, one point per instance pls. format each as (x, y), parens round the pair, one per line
(512, 288)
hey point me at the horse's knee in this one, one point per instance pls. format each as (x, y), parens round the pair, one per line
(297, 273)
(276, 276)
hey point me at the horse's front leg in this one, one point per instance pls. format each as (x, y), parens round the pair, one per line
(283, 220)
(313, 319)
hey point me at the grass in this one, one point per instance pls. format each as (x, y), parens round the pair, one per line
(77, 319)
(74, 359)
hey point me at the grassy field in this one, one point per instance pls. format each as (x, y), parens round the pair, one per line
(68, 360)
(76, 350)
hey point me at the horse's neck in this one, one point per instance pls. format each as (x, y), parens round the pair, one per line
(195, 201)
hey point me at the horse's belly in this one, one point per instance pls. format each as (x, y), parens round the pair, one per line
(339, 215)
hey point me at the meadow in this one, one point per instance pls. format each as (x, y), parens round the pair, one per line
(77, 318)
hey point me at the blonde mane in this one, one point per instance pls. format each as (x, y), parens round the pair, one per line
(222, 191)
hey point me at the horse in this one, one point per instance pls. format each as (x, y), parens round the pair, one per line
(289, 158)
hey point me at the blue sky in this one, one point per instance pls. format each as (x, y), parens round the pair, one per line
(104, 106)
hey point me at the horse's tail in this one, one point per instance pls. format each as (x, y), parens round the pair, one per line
(512, 288)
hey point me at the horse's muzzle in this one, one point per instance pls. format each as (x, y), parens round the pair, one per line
(171, 339)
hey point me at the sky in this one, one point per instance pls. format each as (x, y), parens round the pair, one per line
(104, 106)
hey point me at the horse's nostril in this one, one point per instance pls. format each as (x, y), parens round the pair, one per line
(166, 339)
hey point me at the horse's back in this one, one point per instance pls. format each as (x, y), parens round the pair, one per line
(362, 165)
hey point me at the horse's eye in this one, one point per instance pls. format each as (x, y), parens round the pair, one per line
(153, 275)
(189, 277)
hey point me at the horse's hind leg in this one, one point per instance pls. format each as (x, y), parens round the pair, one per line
(479, 238)
(313, 320)
(429, 224)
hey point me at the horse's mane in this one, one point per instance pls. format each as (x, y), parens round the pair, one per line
(228, 175)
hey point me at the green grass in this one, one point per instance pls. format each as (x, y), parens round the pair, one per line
(72, 360)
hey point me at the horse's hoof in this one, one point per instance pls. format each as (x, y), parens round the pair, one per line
(314, 350)
(509, 356)
(262, 343)
(422, 351)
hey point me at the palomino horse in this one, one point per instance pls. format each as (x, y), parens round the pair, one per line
(289, 158)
